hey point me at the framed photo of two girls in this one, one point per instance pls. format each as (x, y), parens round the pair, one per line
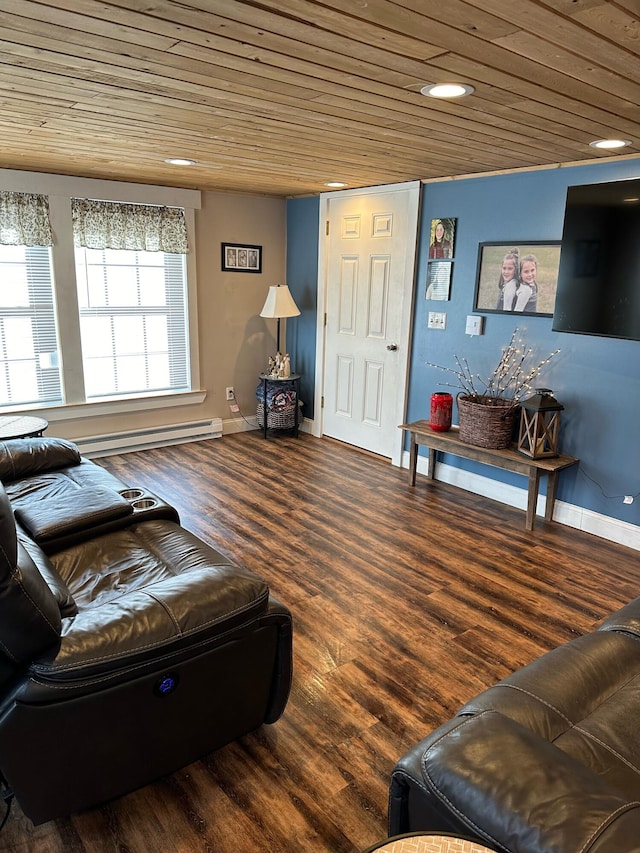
(517, 277)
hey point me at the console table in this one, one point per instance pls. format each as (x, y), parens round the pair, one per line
(508, 459)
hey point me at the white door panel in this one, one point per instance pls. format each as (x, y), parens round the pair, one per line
(378, 296)
(369, 278)
(347, 296)
(344, 386)
(373, 378)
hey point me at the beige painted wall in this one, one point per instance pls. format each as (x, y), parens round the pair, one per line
(235, 342)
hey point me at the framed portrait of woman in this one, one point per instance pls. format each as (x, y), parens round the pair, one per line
(517, 277)
(442, 235)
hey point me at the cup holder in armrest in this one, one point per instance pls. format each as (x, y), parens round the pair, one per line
(131, 494)
(144, 503)
(138, 499)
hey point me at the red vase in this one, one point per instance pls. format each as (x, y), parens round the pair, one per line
(441, 408)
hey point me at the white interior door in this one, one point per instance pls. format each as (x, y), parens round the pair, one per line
(369, 270)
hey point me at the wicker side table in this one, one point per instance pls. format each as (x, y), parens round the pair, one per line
(421, 842)
(21, 426)
(286, 419)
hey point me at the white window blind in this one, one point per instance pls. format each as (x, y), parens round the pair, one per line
(133, 321)
(29, 363)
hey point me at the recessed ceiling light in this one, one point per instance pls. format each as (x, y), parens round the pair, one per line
(335, 184)
(610, 143)
(180, 161)
(631, 200)
(447, 90)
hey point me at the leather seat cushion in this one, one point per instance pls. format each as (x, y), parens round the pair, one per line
(142, 588)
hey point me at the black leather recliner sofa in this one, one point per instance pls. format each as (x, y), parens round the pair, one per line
(545, 761)
(128, 647)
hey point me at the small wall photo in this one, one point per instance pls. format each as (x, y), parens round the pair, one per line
(439, 280)
(441, 238)
(241, 257)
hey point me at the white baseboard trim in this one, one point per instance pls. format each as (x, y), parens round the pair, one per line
(570, 515)
(231, 425)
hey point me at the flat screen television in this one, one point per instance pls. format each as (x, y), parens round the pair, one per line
(598, 290)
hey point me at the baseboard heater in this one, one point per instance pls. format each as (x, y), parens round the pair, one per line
(142, 439)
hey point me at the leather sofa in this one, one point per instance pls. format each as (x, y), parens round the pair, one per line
(128, 647)
(545, 761)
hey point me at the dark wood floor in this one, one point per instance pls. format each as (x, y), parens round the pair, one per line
(406, 602)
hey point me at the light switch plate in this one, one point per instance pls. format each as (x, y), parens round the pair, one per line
(437, 320)
(474, 325)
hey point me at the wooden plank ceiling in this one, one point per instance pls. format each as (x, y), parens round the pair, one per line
(280, 96)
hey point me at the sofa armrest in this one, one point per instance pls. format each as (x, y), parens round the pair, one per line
(489, 777)
(58, 587)
(78, 510)
(626, 620)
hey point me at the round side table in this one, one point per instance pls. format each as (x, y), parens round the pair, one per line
(419, 842)
(21, 426)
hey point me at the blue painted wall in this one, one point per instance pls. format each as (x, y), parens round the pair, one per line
(302, 278)
(596, 379)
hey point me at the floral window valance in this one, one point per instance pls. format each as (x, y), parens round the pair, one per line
(142, 227)
(24, 219)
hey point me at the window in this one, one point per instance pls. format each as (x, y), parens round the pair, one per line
(118, 328)
(29, 364)
(133, 321)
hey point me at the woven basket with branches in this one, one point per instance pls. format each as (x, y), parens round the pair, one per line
(488, 408)
(487, 423)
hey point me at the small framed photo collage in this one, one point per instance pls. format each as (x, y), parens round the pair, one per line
(440, 264)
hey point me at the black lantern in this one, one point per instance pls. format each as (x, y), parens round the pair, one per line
(539, 424)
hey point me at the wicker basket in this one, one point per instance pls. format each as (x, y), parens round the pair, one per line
(277, 418)
(488, 423)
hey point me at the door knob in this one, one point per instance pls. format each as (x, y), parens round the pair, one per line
(392, 347)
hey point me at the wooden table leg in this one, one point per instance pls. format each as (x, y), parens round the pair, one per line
(532, 497)
(413, 459)
(432, 463)
(552, 482)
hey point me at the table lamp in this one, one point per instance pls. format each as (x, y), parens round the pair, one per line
(279, 303)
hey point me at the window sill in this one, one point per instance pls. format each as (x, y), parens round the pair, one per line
(117, 406)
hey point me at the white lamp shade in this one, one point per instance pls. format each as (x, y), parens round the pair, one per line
(279, 303)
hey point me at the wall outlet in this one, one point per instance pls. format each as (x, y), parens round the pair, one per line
(231, 394)
(437, 320)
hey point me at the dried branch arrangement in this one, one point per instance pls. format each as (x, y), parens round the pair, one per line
(511, 379)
